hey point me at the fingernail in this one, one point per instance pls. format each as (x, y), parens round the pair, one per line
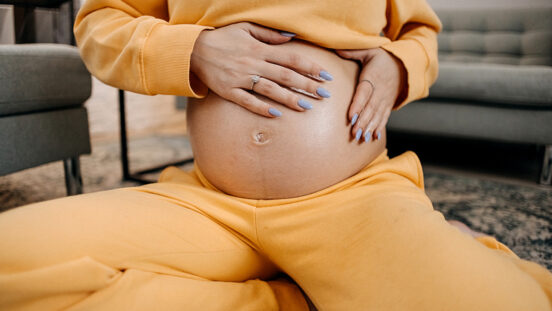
(275, 112)
(287, 34)
(304, 104)
(367, 136)
(379, 136)
(326, 75)
(323, 92)
(358, 134)
(355, 118)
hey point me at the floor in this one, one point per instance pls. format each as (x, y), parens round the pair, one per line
(145, 115)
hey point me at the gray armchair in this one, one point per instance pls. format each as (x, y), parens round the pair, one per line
(43, 88)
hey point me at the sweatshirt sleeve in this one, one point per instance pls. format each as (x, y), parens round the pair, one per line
(412, 27)
(130, 45)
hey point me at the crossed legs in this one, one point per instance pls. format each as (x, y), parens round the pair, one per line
(372, 242)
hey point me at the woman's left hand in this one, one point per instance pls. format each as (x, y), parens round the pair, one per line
(379, 84)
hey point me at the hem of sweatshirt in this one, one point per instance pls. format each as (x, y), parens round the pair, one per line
(165, 61)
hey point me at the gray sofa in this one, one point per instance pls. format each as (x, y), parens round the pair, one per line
(43, 88)
(495, 80)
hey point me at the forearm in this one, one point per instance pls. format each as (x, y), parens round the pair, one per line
(134, 47)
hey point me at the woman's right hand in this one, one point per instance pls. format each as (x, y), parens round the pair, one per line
(226, 59)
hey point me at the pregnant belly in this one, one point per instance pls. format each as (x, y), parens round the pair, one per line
(250, 156)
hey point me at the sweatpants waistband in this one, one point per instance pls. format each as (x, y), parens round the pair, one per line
(406, 166)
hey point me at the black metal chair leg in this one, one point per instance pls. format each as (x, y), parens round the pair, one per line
(123, 136)
(71, 22)
(137, 176)
(73, 178)
(125, 165)
(546, 171)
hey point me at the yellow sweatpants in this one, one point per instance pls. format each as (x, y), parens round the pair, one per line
(370, 242)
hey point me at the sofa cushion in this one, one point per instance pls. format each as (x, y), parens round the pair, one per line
(37, 77)
(529, 86)
(516, 36)
(453, 118)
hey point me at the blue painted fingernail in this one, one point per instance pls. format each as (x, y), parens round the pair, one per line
(287, 34)
(354, 119)
(323, 92)
(326, 75)
(379, 135)
(275, 112)
(358, 134)
(304, 104)
(367, 136)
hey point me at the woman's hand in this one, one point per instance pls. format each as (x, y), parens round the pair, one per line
(379, 85)
(226, 60)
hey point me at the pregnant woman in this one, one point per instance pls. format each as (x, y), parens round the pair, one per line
(292, 203)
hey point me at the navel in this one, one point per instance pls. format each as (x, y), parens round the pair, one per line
(260, 137)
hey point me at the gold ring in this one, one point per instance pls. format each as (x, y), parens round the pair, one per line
(254, 79)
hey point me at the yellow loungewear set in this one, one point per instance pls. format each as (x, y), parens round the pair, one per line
(370, 242)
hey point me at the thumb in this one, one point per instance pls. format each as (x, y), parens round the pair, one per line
(361, 55)
(352, 54)
(267, 35)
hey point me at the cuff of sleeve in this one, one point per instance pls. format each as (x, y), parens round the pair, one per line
(416, 63)
(165, 61)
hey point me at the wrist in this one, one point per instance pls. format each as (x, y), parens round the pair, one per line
(403, 79)
(195, 57)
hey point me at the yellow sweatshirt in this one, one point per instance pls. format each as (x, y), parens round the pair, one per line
(145, 46)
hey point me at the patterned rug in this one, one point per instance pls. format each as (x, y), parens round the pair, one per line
(519, 215)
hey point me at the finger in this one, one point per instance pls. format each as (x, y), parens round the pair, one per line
(374, 129)
(252, 103)
(299, 64)
(362, 95)
(362, 126)
(356, 54)
(281, 95)
(266, 35)
(287, 77)
(380, 128)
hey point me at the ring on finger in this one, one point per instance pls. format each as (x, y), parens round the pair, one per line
(371, 83)
(254, 80)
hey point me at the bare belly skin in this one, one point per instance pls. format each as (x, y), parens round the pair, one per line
(250, 156)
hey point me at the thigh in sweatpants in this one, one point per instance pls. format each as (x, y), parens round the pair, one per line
(127, 249)
(381, 246)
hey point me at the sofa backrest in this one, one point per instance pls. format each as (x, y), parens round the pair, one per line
(516, 36)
